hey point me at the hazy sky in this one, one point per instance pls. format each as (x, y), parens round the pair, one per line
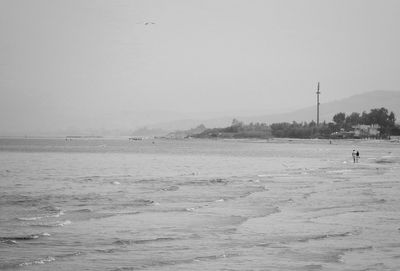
(75, 63)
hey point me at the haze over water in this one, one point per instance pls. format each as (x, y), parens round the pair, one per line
(85, 67)
(111, 204)
(71, 68)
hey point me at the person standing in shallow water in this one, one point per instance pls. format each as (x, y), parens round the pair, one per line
(357, 156)
(354, 156)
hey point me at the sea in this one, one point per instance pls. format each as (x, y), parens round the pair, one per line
(159, 204)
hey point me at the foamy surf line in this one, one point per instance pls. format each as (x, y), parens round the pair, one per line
(61, 213)
(54, 224)
(11, 240)
(38, 261)
(29, 218)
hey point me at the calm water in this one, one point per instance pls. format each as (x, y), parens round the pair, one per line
(111, 204)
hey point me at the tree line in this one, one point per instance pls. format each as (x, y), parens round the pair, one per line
(379, 116)
(341, 123)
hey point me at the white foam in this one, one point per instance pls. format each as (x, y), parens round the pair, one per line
(39, 261)
(55, 224)
(66, 222)
(57, 215)
(10, 242)
(29, 218)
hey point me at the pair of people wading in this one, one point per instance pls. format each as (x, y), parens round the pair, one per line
(356, 156)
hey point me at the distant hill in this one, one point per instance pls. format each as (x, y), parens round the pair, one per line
(182, 134)
(364, 102)
(149, 132)
(357, 103)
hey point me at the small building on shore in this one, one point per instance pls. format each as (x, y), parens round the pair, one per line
(366, 131)
(343, 134)
(359, 131)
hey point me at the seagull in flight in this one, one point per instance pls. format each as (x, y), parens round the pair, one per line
(146, 23)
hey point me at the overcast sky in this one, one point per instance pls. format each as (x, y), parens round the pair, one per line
(72, 63)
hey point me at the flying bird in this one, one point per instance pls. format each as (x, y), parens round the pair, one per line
(146, 23)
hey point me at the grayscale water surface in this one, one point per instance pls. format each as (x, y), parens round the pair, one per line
(111, 204)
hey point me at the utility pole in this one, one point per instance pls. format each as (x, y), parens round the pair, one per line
(318, 92)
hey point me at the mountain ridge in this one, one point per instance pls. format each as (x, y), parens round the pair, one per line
(356, 103)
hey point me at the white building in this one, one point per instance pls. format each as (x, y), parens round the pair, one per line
(362, 130)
